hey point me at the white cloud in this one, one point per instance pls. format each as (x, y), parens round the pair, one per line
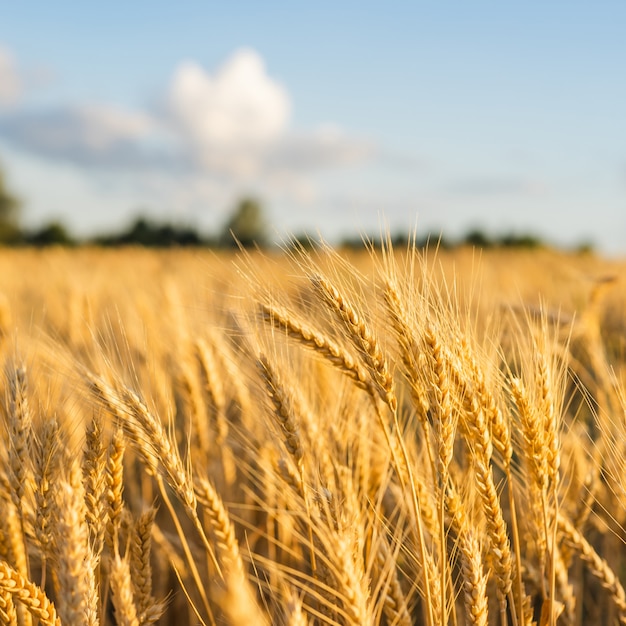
(87, 135)
(104, 126)
(219, 134)
(10, 83)
(229, 119)
(232, 124)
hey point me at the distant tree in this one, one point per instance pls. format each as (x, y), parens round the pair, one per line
(145, 232)
(303, 241)
(9, 214)
(53, 233)
(361, 242)
(585, 247)
(141, 232)
(478, 239)
(246, 225)
(520, 241)
(351, 242)
(400, 240)
(434, 241)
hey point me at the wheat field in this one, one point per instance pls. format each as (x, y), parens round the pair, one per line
(387, 437)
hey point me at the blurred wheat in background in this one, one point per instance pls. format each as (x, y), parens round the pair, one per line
(394, 438)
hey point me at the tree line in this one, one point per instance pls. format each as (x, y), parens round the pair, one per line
(246, 226)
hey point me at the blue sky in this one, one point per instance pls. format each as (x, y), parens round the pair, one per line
(338, 115)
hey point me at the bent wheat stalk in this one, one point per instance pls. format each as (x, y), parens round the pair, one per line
(597, 565)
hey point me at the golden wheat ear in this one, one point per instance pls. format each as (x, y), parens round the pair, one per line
(27, 594)
(122, 592)
(78, 597)
(20, 420)
(363, 337)
(597, 565)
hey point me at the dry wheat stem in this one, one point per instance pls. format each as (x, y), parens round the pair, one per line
(403, 467)
(394, 602)
(197, 413)
(214, 387)
(189, 560)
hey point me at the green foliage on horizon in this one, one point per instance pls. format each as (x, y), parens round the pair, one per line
(247, 226)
